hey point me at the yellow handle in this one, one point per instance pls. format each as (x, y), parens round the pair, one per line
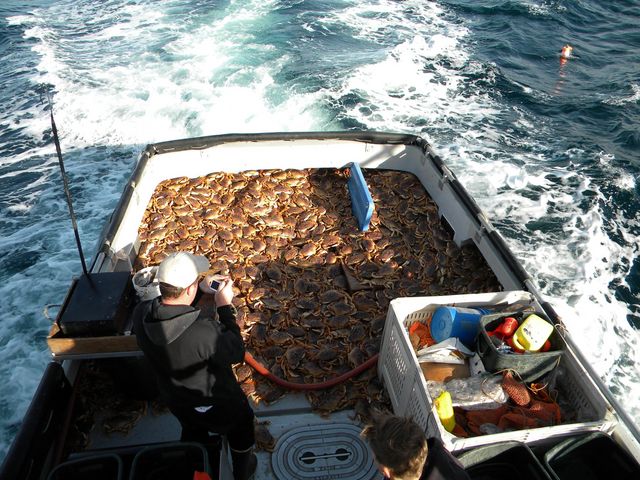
(444, 407)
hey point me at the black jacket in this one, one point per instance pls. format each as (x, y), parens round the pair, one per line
(441, 464)
(191, 355)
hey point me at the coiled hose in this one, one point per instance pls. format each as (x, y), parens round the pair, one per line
(262, 370)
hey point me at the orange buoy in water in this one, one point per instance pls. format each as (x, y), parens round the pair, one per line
(566, 52)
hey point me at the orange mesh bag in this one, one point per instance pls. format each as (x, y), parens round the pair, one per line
(547, 412)
(540, 392)
(477, 418)
(460, 430)
(460, 416)
(517, 421)
(516, 390)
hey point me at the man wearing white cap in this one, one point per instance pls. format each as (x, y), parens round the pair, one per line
(192, 357)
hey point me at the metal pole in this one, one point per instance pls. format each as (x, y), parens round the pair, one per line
(66, 190)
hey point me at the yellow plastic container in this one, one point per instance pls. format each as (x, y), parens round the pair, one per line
(532, 333)
(444, 407)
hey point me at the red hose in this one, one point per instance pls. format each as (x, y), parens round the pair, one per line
(262, 370)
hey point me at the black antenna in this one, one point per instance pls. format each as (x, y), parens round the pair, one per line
(66, 187)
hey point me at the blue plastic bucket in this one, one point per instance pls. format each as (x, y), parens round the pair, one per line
(462, 323)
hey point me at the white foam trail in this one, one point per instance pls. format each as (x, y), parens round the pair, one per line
(180, 92)
(619, 101)
(546, 9)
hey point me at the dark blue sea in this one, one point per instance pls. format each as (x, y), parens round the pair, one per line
(550, 149)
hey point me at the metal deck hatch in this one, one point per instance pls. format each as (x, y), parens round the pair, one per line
(333, 451)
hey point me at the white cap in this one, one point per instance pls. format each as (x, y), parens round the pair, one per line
(182, 269)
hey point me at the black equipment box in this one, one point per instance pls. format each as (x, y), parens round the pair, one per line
(97, 304)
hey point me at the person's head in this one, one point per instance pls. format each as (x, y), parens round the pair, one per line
(178, 276)
(399, 446)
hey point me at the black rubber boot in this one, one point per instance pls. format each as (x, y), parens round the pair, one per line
(244, 464)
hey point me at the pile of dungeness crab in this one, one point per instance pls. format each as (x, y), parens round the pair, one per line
(312, 289)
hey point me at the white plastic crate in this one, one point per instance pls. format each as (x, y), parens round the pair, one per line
(400, 371)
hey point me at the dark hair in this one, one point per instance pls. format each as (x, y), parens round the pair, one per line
(169, 291)
(399, 444)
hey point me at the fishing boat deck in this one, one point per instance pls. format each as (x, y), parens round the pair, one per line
(124, 425)
(313, 293)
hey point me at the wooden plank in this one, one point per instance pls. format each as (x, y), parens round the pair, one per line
(87, 346)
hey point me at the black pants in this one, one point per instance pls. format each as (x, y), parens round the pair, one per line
(232, 419)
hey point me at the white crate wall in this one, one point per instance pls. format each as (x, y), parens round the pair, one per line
(397, 372)
(400, 371)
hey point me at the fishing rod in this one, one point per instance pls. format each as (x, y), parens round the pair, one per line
(56, 140)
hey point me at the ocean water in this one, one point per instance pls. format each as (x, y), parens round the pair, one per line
(549, 149)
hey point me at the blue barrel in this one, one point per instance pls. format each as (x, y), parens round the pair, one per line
(462, 323)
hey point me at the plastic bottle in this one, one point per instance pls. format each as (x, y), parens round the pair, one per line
(506, 329)
(444, 407)
(459, 322)
(533, 333)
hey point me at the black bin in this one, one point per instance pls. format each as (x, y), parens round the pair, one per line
(98, 467)
(97, 304)
(529, 366)
(503, 461)
(592, 457)
(170, 461)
